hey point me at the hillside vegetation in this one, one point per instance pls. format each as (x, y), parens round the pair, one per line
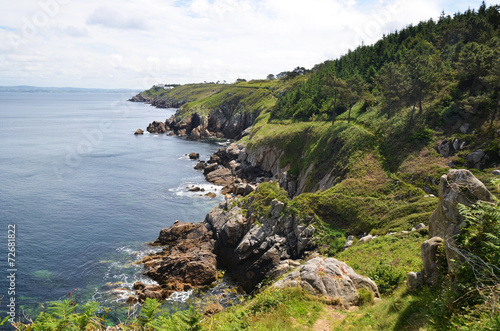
(367, 138)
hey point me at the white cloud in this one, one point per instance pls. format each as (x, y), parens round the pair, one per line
(113, 18)
(133, 44)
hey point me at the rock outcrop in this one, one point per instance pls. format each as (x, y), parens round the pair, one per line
(459, 186)
(139, 98)
(250, 247)
(157, 127)
(330, 278)
(187, 260)
(219, 123)
(253, 248)
(139, 132)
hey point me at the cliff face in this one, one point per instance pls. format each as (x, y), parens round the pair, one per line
(220, 122)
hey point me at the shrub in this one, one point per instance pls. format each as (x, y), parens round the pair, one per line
(365, 297)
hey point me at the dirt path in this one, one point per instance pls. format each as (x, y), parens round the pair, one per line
(326, 320)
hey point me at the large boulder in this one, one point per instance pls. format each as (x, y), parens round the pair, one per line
(331, 278)
(220, 177)
(458, 186)
(157, 127)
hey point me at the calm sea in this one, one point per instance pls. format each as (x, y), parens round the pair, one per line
(85, 194)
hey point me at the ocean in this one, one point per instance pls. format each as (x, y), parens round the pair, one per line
(84, 195)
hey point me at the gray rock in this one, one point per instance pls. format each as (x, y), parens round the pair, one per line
(496, 172)
(476, 159)
(429, 251)
(349, 242)
(445, 148)
(458, 186)
(464, 128)
(277, 208)
(419, 226)
(367, 238)
(331, 278)
(415, 280)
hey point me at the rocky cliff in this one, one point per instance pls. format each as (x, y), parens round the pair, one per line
(233, 236)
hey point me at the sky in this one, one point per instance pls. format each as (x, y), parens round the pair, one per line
(136, 44)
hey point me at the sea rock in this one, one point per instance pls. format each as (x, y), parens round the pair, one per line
(209, 168)
(187, 261)
(200, 165)
(220, 177)
(157, 127)
(430, 259)
(194, 156)
(331, 278)
(138, 132)
(458, 186)
(211, 195)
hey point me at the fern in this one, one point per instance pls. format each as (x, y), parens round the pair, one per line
(149, 310)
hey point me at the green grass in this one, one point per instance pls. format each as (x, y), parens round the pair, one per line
(272, 309)
(386, 259)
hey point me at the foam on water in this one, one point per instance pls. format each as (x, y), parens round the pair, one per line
(180, 296)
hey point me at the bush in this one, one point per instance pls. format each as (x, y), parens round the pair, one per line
(386, 277)
(365, 297)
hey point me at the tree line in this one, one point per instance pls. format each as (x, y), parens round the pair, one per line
(454, 62)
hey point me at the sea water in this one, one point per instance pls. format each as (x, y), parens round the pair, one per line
(85, 195)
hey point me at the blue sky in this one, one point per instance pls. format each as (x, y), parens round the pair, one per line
(136, 44)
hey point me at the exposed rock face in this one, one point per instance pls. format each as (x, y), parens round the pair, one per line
(232, 239)
(430, 259)
(331, 278)
(477, 159)
(224, 168)
(156, 127)
(187, 260)
(224, 122)
(139, 132)
(252, 250)
(449, 147)
(138, 98)
(459, 186)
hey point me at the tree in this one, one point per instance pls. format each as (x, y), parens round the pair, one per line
(355, 88)
(392, 81)
(423, 78)
(334, 89)
(271, 77)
